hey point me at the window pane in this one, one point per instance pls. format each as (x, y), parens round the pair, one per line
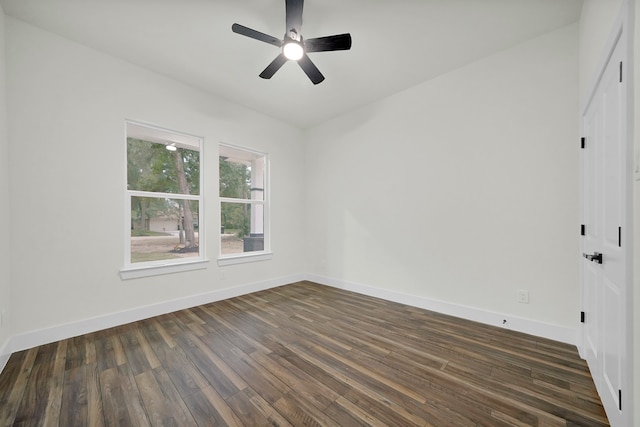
(164, 229)
(242, 227)
(242, 174)
(153, 167)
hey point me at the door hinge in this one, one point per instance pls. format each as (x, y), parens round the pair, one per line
(619, 237)
(620, 71)
(620, 400)
(583, 230)
(582, 317)
(583, 142)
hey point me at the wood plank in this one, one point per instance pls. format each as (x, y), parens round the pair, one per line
(300, 382)
(113, 399)
(122, 403)
(299, 412)
(262, 381)
(56, 383)
(95, 415)
(136, 356)
(183, 374)
(161, 403)
(34, 398)
(74, 410)
(209, 408)
(227, 320)
(105, 353)
(224, 380)
(163, 332)
(319, 375)
(253, 410)
(15, 391)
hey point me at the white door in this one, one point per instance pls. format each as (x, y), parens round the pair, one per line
(604, 263)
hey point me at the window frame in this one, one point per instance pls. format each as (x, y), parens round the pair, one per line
(252, 256)
(158, 267)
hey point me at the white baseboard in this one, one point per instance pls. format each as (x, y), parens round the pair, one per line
(528, 326)
(60, 332)
(5, 353)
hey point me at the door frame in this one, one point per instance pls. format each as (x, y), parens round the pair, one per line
(622, 32)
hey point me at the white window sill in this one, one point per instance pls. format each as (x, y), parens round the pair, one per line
(156, 270)
(244, 258)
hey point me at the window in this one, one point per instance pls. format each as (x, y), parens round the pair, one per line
(243, 202)
(163, 196)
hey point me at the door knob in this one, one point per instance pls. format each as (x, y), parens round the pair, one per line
(596, 257)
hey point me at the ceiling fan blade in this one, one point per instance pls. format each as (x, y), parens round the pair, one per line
(325, 44)
(294, 16)
(310, 69)
(273, 67)
(246, 31)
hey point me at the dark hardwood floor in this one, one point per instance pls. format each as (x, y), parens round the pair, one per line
(300, 355)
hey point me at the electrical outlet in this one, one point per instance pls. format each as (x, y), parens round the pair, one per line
(523, 296)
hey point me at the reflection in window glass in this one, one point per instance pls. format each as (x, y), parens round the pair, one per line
(151, 167)
(160, 230)
(239, 219)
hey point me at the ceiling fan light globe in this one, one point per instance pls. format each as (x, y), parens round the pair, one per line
(293, 51)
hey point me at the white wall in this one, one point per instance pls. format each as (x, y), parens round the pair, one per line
(5, 240)
(68, 106)
(463, 189)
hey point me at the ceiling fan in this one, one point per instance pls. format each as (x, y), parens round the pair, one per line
(293, 46)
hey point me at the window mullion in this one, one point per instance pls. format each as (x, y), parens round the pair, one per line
(159, 195)
(245, 201)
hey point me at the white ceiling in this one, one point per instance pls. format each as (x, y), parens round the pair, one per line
(396, 43)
